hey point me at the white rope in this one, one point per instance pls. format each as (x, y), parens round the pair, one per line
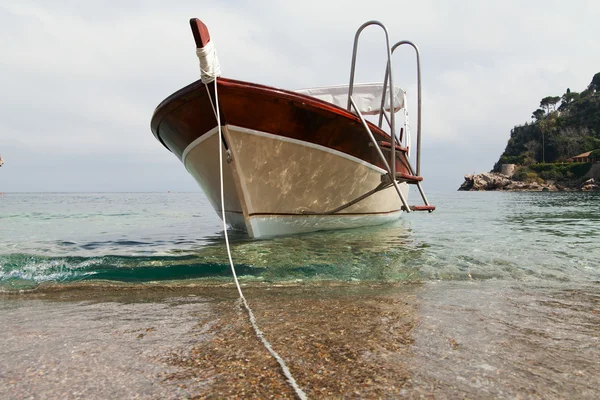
(209, 63)
(299, 393)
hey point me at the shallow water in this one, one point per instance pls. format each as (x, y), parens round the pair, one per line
(149, 236)
(440, 339)
(493, 295)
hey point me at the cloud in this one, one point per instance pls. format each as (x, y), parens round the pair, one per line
(82, 78)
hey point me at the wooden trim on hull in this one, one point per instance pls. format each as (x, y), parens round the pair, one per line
(352, 214)
(187, 114)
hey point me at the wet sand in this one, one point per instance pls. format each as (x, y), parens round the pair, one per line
(488, 339)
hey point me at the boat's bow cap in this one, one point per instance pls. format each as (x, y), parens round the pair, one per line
(210, 68)
(200, 31)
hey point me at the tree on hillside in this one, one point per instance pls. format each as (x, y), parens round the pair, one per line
(549, 101)
(545, 103)
(538, 114)
(553, 101)
(568, 97)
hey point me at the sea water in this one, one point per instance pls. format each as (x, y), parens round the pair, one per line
(122, 295)
(143, 237)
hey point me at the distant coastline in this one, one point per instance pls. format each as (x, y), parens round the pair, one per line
(559, 150)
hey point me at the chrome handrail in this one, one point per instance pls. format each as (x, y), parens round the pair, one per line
(388, 68)
(380, 153)
(391, 167)
(388, 73)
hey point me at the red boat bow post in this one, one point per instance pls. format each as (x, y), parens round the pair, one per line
(200, 31)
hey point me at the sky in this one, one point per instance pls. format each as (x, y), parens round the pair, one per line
(79, 80)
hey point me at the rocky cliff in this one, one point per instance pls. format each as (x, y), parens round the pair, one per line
(558, 150)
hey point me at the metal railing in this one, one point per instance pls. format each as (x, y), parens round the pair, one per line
(387, 73)
(388, 68)
(387, 166)
(391, 166)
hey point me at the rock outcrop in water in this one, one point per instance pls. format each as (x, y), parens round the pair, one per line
(590, 185)
(496, 181)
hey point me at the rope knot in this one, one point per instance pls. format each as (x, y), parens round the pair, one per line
(210, 68)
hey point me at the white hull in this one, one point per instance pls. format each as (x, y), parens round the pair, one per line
(278, 186)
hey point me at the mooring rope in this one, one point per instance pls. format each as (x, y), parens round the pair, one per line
(211, 75)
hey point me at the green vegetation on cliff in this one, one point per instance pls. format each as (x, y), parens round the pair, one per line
(558, 132)
(557, 172)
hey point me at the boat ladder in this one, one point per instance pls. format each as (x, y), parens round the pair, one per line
(393, 177)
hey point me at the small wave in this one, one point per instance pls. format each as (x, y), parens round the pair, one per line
(19, 271)
(117, 243)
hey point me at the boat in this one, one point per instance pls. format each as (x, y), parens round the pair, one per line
(294, 161)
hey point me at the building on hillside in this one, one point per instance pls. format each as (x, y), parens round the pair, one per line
(582, 158)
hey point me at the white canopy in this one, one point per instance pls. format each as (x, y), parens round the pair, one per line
(367, 96)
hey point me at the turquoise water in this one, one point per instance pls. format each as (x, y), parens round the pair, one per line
(143, 237)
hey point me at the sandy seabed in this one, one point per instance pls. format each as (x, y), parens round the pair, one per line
(474, 339)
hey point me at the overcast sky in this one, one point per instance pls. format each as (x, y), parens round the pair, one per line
(79, 80)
